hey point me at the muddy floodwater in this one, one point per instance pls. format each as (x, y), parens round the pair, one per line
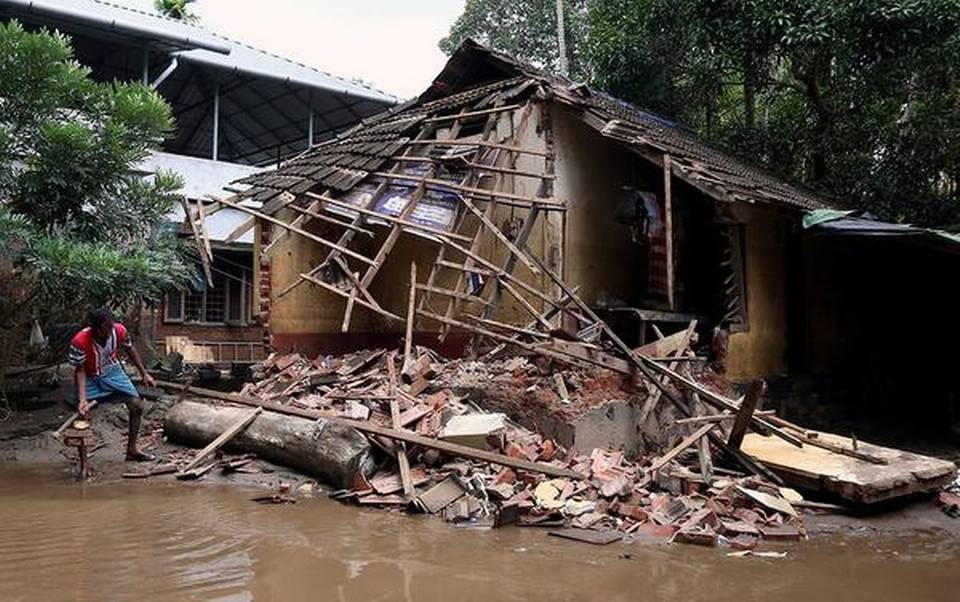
(157, 540)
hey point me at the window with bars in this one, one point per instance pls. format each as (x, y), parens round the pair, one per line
(228, 301)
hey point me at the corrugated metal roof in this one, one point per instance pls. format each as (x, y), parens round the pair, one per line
(193, 42)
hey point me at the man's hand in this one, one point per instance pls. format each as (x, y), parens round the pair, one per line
(82, 408)
(149, 380)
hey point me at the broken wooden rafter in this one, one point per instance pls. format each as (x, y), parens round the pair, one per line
(469, 114)
(687, 441)
(745, 413)
(346, 295)
(330, 220)
(224, 438)
(463, 162)
(451, 293)
(504, 198)
(323, 199)
(483, 144)
(301, 232)
(202, 248)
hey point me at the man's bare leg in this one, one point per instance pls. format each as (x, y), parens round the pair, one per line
(135, 405)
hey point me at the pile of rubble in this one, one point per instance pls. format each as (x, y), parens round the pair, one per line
(531, 480)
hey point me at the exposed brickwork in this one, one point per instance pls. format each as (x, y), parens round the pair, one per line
(265, 286)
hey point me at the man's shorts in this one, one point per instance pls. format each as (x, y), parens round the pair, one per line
(113, 385)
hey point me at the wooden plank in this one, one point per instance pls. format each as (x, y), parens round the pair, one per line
(201, 250)
(389, 433)
(411, 318)
(240, 230)
(223, 439)
(301, 232)
(324, 218)
(348, 311)
(683, 344)
(499, 235)
(202, 224)
(668, 226)
(745, 413)
(402, 461)
(680, 447)
(854, 480)
(356, 299)
(446, 292)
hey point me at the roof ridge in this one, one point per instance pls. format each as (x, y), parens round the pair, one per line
(247, 45)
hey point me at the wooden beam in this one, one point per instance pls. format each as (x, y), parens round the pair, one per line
(240, 230)
(301, 232)
(493, 229)
(232, 431)
(411, 318)
(324, 218)
(481, 112)
(483, 144)
(477, 166)
(346, 295)
(647, 366)
(374, 429)
(745, 413)
(651, 403)
(504, 198)
(668, 226)
(684, 444)
(201, 250)
(402, 460)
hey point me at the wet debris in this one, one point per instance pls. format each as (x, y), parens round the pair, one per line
(597, 497)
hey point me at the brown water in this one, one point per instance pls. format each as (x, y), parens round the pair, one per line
(150, 541)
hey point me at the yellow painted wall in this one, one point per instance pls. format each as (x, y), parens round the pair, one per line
(761, 351)
(600, 256)
(310, 309)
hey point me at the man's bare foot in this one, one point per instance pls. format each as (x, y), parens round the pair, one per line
(139, 456)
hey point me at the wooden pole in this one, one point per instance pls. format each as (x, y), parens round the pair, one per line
(745, 413)
(668, 225)
(411, 311)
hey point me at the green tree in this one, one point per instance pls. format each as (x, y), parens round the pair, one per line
(175, 9)
(525, 29)
(857, 98)
(77, 226)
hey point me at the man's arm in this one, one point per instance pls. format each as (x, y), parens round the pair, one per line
(80, 379)
(138, 362)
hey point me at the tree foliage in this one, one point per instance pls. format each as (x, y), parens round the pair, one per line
(524, 29)
(857, 98)
(175, 9)
(77, 225)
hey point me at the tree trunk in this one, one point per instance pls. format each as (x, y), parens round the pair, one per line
(332, 453)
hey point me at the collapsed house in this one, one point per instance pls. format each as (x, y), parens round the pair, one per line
(650, 225)
(580, 258)
(494, 170)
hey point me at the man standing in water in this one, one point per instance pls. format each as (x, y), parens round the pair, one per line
(99, 375)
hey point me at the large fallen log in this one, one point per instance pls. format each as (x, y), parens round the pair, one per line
(373, 429)
(331, 452)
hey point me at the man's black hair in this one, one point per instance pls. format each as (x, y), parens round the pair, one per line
(100, 317)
